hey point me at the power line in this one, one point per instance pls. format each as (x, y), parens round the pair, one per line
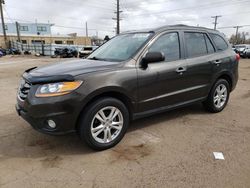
(56, 25)
(237, 27)
(80, 28)
(215, 20)
(139, 1)
(226, 27)
(8, 15)
(208, 5)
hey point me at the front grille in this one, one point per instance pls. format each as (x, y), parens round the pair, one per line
(24, 89)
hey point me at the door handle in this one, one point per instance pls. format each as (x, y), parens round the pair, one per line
(181, 70)
(217, 62)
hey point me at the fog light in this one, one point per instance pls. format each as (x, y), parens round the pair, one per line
(51, 124)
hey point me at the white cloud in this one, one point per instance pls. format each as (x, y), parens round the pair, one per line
(136, 14)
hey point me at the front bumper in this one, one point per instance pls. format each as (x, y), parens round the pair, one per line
(63, 110)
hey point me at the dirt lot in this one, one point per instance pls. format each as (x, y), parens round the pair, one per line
(172, 149)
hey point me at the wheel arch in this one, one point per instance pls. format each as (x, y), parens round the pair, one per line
(113, 92)
(228, 78)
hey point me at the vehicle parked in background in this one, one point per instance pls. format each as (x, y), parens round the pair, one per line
(1, 54)
(66, 52)
(241, 49)
(3, 51)
(133, 75)
(10, 51)
(85, 51)
(58, 51)
(247, 52)
(233, 48)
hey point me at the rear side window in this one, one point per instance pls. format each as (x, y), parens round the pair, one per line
(195, 44)
(169, 45)
(219, 42)
(210, 48)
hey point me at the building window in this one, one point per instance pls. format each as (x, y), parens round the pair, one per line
(70, 42)
(220, 43)
(6, 27)
(58, 42)
(24, 41)
(41, 28)
(38, 42)
(23, 28)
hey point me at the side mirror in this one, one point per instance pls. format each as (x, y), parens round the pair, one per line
(152, 57)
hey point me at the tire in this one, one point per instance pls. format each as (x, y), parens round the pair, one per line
(90, 120)
(213, 105)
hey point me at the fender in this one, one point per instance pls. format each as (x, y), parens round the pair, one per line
(223, 73)
(108, 90)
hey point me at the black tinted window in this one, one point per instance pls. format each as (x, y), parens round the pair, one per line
(169, 45)
(195, 44)
(210, 48)
(219, 42)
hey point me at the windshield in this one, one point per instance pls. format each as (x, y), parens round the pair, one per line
(242, 46)
(120, 48)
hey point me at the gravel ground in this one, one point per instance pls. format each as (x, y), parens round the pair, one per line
(172, 149)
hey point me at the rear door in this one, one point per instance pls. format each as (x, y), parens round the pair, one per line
(223, 57)
(199, 53)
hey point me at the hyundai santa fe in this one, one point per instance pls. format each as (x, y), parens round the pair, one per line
(135, 74)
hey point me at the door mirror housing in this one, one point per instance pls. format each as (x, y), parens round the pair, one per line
(152, 57)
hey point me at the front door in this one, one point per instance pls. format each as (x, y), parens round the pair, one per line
(162, 84)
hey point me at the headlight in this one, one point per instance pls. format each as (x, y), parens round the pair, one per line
(57, 89)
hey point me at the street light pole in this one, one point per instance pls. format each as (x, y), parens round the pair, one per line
(3, 24)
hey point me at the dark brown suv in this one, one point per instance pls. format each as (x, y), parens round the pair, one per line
(133, 75)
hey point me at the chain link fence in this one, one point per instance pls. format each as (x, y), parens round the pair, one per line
(43, 49)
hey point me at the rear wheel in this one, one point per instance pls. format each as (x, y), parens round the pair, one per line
(218, 96)
(104, 123)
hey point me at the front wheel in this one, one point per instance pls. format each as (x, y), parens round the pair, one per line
(218, 96)
(104, 123)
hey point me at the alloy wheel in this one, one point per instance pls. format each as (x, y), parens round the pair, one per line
(220, 96)
(107, 124)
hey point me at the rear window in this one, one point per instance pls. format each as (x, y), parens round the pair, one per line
(195, 44)
(87, 48)
(219, 42)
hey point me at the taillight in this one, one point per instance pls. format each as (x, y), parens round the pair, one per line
(237, 57)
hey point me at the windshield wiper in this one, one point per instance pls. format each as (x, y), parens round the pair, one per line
(97, 58)
(94, 58)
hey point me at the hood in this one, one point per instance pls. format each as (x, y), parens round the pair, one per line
(74, 68)
(241, 49)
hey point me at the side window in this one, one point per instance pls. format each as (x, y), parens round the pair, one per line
(168, 44)
(220, 43)
(210, 48)
(195, 44)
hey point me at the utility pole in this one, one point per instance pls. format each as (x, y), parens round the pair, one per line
(215, 20)
(3, 24)
(18, 32)
(236, 34)
(118, 19)
(86, 26)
